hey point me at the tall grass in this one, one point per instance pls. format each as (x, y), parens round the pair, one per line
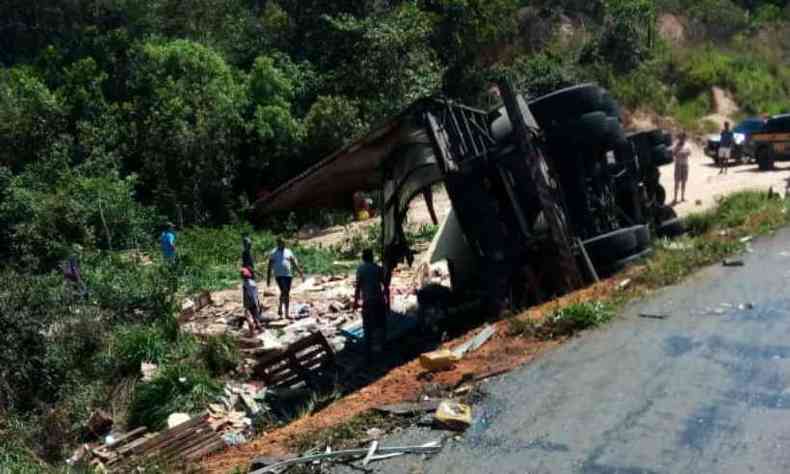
(714, 235)
(182, 388)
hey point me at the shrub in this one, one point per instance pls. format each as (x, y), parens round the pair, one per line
(180, 388)
(220, 354)
(131, 345)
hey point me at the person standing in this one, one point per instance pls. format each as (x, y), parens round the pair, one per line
(681, 153)
(252, 305)
(72, 274)
(168, 242)
(370, 287)
(726, 143)
(281, 263)
(247, 260)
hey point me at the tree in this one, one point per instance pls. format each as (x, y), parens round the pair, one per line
(468, 36)
(383, 61)
(186, 126)
(31, 117)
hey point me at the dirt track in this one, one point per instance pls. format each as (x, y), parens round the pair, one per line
(706, 184)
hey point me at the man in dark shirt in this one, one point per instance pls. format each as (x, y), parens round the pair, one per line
(371, 289)
(726, 143)
(247, 259)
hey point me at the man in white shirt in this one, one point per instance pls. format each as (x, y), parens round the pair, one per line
(281, 261)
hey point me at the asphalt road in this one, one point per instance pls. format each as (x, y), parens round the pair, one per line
(706, 390)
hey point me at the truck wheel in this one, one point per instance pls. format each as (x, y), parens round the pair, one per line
(661, 195)
(622, 263)
(574, 101)
(642, 233)
(610, 247)
(671, 228)
(765, 159)
(610, 106)
(589, 129)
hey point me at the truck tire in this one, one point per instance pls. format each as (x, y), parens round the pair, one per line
(554, 108)
(642, 233)
(610, 106)
(765, 159)
(622, 263)
(607, 248)
(671, 228)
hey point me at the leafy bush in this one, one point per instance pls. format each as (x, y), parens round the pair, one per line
(131, 345)
(220, 354)
(178, 388)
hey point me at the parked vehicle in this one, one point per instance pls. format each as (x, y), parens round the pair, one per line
(742, 135)
(545, 193)
(773, 142)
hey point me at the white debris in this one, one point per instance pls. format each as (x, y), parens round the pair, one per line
(176, 419)
(148, 371)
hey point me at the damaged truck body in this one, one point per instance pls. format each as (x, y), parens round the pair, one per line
(546, 194)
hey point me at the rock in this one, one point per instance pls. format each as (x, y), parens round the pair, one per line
(176, 419)
(375, 433)
(99, 423)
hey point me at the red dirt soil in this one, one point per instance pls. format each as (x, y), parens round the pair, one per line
(501, 353)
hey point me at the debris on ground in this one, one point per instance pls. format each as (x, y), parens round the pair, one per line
(453, 415)
(475, 343)
(148, 371)
(653, 316)
(268, 465)
(745, 306)
(624, 284)
(186, 443)
(176, 419)
(732, 263)
(415, 408)
(99, 423)
(441, 359)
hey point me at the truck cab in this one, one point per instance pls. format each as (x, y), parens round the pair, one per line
(773, 142)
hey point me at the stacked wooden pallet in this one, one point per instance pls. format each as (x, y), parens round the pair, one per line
(305, 362)
(180, 445)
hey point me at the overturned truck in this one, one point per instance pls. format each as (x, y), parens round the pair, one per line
(546, 194)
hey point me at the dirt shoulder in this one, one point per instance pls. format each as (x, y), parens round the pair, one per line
(705, 185)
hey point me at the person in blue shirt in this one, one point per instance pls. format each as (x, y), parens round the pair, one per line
(168, 242)
(726, 143)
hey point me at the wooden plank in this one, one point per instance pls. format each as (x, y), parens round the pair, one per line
(217, 445)
(171, 432)
(176, 439)
(187, 443)
(191, 452)
(128, 436)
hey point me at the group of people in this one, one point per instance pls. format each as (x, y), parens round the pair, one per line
(370, 291)
(682, 151)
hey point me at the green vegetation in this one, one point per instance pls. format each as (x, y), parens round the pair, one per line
(563, 322)
(715, 235)
(118, 116)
